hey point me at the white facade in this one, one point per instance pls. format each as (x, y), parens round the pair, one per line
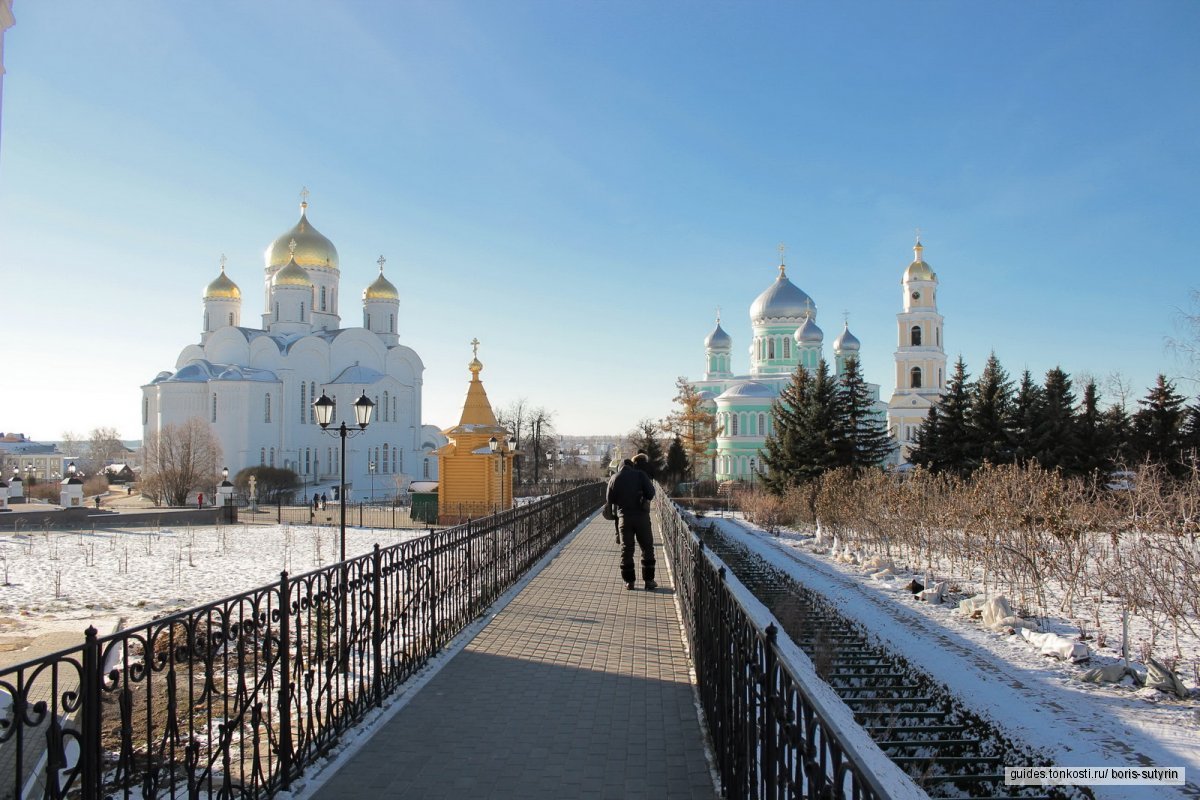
(256, 386)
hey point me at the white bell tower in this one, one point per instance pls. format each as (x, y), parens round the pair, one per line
(920, 353)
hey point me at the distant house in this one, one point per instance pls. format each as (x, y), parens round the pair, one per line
(119, 473)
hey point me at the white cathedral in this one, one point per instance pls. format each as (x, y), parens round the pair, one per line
(256, 385)
(783, 322)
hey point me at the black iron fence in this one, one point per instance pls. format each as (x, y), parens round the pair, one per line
(235, 698)
(770, 736)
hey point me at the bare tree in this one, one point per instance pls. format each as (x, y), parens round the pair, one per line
(1186, 345)
(178, 459)
(104, 447)
(515, 417)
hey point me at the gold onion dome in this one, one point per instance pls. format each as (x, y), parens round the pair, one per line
(312, 249)
(292, 275)
(222, 288)
(918, 270)
(381, 289)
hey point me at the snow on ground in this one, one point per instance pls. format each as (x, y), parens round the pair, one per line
(67, 580)
(1038, 700)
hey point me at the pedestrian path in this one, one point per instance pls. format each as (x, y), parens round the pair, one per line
(577, 689)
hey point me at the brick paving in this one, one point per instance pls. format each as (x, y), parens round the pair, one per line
(577, 689)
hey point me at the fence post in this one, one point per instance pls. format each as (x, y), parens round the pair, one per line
(769, 723)
(90, 750)
(285, 677)
(377, 624)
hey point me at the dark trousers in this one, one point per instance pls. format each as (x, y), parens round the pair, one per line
(636, 528)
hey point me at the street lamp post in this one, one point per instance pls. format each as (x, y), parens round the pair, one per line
(371, 468)
(323, 408)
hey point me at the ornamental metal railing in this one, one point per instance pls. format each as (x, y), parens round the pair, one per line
(770, 736)
(235, 698)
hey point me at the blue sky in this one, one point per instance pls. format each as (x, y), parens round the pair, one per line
(579, 185)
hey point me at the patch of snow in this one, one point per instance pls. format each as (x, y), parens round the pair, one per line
(1041, 702)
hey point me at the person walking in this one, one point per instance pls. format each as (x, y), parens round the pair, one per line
(200, 500)
(630, 492)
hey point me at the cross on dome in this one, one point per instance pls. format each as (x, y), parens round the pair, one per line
(304, 197)
(782, 258)
(381, 261)
(718, 315)
(475, 348)
(222, 262)
(292, 247)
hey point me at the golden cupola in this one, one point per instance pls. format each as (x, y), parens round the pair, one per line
(292, 275)
(918, 270)
(222, 288)
(381, 288)
(313, 251)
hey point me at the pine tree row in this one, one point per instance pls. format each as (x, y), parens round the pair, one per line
(986, 421)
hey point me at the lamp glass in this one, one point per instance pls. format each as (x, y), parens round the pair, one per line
(362, 410)
(323, 409)
(71, 468)
(493, 444)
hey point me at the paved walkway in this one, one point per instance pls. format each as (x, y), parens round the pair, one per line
(578, 688)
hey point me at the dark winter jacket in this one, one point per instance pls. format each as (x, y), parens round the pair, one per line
(628, 488)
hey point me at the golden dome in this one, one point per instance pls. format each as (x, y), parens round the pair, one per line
(292, 275)
(312, 249)
(222, 288)
(918, 270)
(381, 289)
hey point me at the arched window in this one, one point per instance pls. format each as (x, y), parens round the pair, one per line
(206, 322)
(303, 402)
(915, 378)
(386, 402)
(396, 452)
(307, 461)
(734, 424)
(272, 456)
(391, 323)
(384, 461)
(322, 298)
(277, 310)
(312, 392)
(939, 383)
(425, 469)
(762, 424)
(214, 407)
(787, 347)
(262, 457)
(367, 324)
(771, 347)
(333, 299)
(267, 408)
(915, 336)
(302, 312)
(145, 410)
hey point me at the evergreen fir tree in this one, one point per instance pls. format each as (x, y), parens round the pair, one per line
(925, 452)
(1191, 433)
(1053, 440)
(645, 439)
(1114, 432)
(862, 438)
(677, 462)
(1024, 421)
(819, 425)
(991, 416)
(1157, 433)
(781, 450)
(1095, 448)
(953, 431)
